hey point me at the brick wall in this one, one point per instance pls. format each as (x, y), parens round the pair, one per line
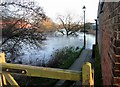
(109, 41)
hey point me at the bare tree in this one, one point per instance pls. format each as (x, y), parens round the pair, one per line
(21, 22)
(71, 26)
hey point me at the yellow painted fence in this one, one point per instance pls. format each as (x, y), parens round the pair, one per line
(86, 75)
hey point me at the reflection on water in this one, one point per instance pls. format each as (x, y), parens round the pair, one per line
(54, 43)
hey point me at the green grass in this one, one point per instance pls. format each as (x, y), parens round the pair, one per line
(64, 58)
(72, 55)
(98, 72)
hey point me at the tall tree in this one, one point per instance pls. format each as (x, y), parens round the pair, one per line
(70, 25)
(20, 24)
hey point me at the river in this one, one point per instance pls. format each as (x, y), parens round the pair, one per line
(53, 43)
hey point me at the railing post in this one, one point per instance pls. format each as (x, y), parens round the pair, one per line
(2, 60)
(87, 78)
(5, 76)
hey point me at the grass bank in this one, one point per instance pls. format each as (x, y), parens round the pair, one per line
(64, 58)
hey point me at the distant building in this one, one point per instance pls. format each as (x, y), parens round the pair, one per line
(109, 42)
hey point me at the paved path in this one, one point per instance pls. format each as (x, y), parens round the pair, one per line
(77, 65)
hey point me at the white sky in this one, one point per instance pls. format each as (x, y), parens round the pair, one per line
(53, 8)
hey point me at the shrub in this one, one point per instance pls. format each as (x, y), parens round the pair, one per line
(64, 58)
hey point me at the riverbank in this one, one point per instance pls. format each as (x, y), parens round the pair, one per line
(64, 58)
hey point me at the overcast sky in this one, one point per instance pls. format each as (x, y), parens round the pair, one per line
(53, 8)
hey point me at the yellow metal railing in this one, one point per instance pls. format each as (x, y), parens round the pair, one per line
(63, 74)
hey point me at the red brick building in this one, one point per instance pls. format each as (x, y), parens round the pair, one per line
(109, 41)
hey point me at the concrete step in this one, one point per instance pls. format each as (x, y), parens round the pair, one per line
(116, 73)
(116, 85)
(117, 59)
(116, 80)
(117, 66)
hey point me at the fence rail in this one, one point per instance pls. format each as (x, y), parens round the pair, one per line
(63, 74)
(41, 71)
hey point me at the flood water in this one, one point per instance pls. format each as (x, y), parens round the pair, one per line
(53, 43)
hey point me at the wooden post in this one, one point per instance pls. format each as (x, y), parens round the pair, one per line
(4, 80)
(5, 76)
(87, 79)
(2, 60)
